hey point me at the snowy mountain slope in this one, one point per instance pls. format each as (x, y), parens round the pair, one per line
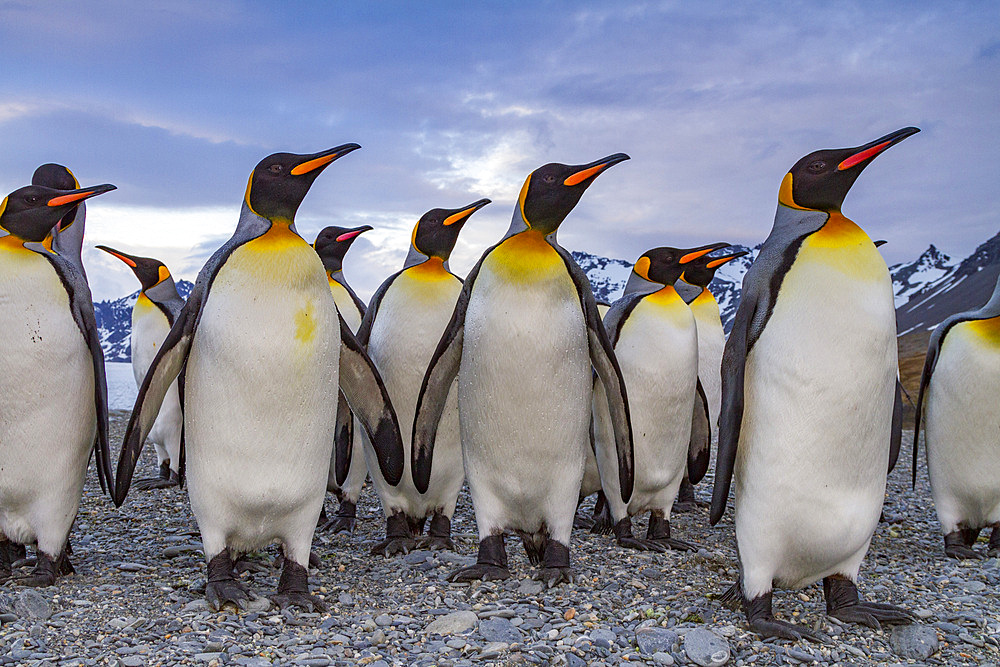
(912, 277)
(114, 323)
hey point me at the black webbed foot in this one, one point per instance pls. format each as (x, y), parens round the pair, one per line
(398, 536)
(686, 500)
(293, 589)
(761, 619)
(438, 534)
(603, 524)
(583, 522)
(491, 563)
(955, 546)
(150, 483)
(245, 564)
(345, 519)
(555, 565)
(222, 587)
(626, 538)
(843, 603)
(659, 531)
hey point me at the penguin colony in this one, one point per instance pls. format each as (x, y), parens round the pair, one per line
(274, 384)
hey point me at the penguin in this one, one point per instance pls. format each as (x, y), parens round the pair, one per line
(591, 483)
(522, 341)
(263, 351)
(408, 314)
(655, 339)
(155, 311)
(808, 417)
(332, 244)
(693, 288)
(958, 386)
(53, 391)
(67, 235)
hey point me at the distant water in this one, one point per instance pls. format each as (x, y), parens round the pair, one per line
(121, 385)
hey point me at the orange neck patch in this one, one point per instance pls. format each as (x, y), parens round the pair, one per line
(839, 232)
(666, 296)
(279, 237)
(432, 269)
(525, 255)
(986, 331)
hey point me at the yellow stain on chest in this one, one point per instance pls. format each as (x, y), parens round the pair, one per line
(843, 245)
(985, 332)
(305, 324)
(525, 257)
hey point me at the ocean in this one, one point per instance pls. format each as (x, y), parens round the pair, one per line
(121, 385)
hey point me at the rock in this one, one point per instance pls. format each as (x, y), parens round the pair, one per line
(663, 658)
(706, 648)
(383, 620)
(530, 587)
(499, 629)
(32, 604)
(345, 599)
(453, 623)
(655, 640)
(603, 634)
(918, 642)
(574, 660)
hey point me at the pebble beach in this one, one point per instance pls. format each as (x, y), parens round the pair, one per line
(137, 598)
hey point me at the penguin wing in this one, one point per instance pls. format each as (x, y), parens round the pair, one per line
(930, 362)
(368, 314)
(358, 303)
(82, 308)
(343, 439)
(699, 448)
(602, 356)
(896, 435)
(365, 392)
(761, 285)
(438, 378)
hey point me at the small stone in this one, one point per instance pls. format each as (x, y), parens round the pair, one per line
(574, 660)
(345, 599)
(453, 623)
(378, 637)
(492, 650)
(32, 604)
(655, 640)
(257, 603)
(383, 620)
(603, 634)
(662, 658)
(498, 629)
(706, 648)
(530, 587)
(918, 642)
(975, 587)
(132, 567)
(134, 661)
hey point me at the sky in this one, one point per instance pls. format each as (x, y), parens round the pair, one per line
(175, 102)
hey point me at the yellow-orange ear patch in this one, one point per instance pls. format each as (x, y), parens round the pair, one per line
(163, 274)
(521, 197)
(785, 193)
(642, 267)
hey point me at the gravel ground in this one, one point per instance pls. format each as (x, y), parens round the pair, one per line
(137, 599)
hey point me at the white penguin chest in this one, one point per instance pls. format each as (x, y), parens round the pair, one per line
(345, 305)
(149, 328)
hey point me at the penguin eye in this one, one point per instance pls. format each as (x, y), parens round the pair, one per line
(816, 167)
(549, 178)
(31, 199)
(275, 169)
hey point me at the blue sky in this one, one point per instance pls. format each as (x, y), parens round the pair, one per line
(175, 102)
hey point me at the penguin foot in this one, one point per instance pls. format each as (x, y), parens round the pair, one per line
(345, 519)
(843, 603)
(583, 522)
(244, 564)
(222, 587)
(491, 563)
(306, 601)
(761, 619)
(555, 565)
(46, 571)
(956, 546)
(553, 576)
(293, 589)
(151, 483)
(686, 500)
(625, 538)
(315, 561)
(323, 518)
(603, 525)
(436, 543)
(675, 544)
(391, 546)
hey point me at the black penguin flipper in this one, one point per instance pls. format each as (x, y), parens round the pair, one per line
(358, 303)
(930, 362)
(602, 356)
(82, 309)
(896, 435)
(369, 313)
(699, 448)
(366, 394)
(437, 382)
(343, 439)
(164, 369)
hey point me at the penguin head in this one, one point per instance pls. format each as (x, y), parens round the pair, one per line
(332, 243)
(436, 233)
(61, 178)
(149, 271)
(551, 191)
(665, 265)
(821, 180)
(31, 212)
(701, 271)
(280, 181)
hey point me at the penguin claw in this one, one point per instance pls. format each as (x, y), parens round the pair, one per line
(36, 579)
(340, 524)
(243, 565)
(962, 552)
(151, 483)
(302, 600)
(479, 571)
(391, 546)
(228, 591)
(675, 544)
(436, 543)
(872, 614)
(685, 507)
(641, 545)
(772, 627)
(553, 576)
(583, 522)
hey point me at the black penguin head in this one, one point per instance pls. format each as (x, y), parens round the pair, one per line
(332, 243)
(56, 176)
(31, 212)
(149, 271)
(280, 182)
(701, 271)
(551, 191)
(820, 181)
(665, 265)
(436, 233)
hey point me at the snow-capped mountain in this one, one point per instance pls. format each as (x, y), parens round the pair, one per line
(927, 290)
(114, 323)
(911, 277)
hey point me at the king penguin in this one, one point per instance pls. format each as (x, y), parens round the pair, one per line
(600, 519)
(407, 316)
(51, 345)
(693, 288)
(67, 235)
(263, 351)
(522, 341)
(332, 244)
(155, 311)
(655, 339)
(959, 389)
(809, 399)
